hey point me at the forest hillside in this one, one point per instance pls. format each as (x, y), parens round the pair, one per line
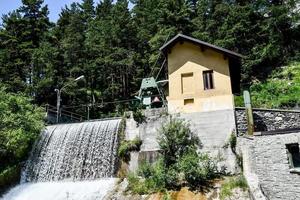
(114, 47)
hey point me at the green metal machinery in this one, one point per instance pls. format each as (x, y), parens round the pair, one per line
(151, 94)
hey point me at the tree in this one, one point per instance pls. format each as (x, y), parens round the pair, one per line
(21, 123)
(13, 71)
(115, 48)
(260, 30)
(23, 31)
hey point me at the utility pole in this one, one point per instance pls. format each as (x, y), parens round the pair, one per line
(58, 100)
(58, 91)
(88, 112)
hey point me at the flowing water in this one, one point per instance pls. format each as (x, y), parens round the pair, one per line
(81, 190)
(82, 152)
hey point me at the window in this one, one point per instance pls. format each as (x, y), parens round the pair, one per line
(188, 101)
(294, 155)
(208, 80)
(187, 83)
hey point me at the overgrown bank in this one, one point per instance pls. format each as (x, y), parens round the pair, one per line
(20, 125)
(280, 90)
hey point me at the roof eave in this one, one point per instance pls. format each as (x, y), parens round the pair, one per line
(227, 52)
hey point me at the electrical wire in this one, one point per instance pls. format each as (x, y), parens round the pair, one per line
(153, 67)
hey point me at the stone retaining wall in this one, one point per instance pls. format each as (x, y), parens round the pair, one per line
(268, 120)
(267, 168)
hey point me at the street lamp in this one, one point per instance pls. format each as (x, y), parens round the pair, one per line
(58, 91)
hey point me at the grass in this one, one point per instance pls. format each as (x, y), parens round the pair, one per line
(231, 184)
(128, 146)
(137, 185)
(280, 90)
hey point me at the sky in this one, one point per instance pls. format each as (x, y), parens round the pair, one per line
(54, 7)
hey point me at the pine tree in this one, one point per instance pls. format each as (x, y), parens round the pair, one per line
(115, 47)
(23, 31)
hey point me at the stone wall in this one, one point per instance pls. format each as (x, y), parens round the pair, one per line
(267, 168)
(268, 120)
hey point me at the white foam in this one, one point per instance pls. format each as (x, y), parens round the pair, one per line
(80, 190)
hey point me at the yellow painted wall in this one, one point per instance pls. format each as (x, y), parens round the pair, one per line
(187, 58)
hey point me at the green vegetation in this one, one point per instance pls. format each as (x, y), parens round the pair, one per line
(20, 124)
(128, 146)
(115, 47)
(139, 116)
(8, 177)
(232, 183)
(280, 90)
(232, 142)
(180, 164)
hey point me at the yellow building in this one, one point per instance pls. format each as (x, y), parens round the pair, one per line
(202, 76)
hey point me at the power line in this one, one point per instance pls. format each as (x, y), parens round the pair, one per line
(102, 103)
(160, 69)
(152, 70)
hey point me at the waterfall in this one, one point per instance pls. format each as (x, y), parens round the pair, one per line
(81, 152)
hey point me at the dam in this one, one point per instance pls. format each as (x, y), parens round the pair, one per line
(71, 161)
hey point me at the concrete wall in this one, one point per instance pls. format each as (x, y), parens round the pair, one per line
(148, 133)
(213, 128)
(268, 119)
(267, 169)
(186, 58)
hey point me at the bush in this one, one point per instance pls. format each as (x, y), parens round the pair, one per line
(136, 185)
(149, 179)
(198, 169)
(232, 183)
(20, 124)
(9, 177)
(128, 146)
(232, 142)
(175, 140)
(239, 161)
(138, 116)
(154, 175)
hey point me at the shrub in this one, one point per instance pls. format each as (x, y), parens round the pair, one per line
(175, 140)
(232, 183)
(138, 116)
(154, 175)
(198, 169)
(146, 170)
(9, 177)
(136, 185)
(239, 160)
(150, 179)
(20, 124)
(128, 146)
(232, 142)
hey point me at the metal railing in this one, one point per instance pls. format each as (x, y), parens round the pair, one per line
(64, 116)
